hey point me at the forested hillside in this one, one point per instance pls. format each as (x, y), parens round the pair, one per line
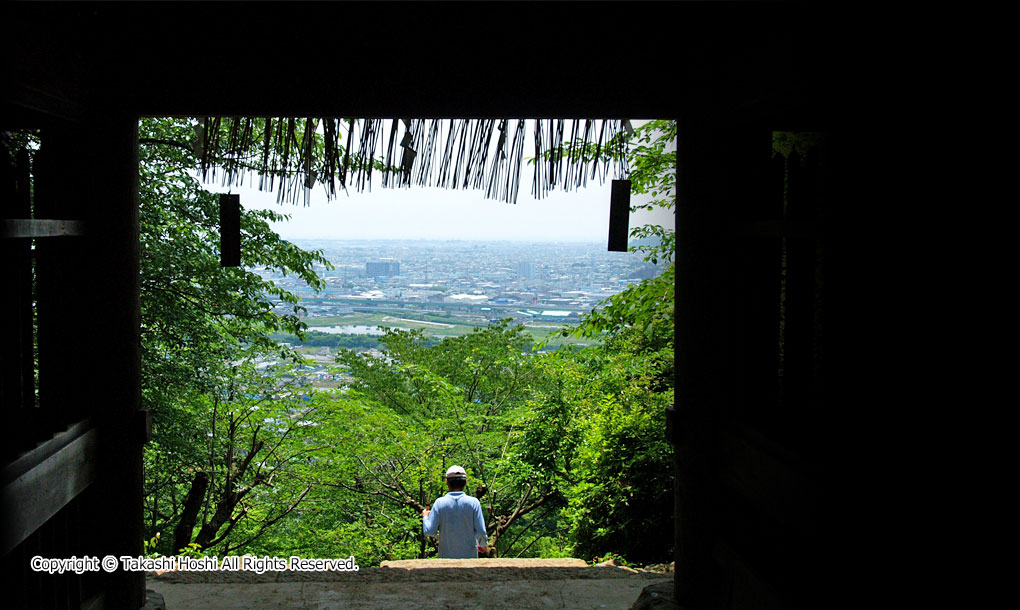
(566, 450)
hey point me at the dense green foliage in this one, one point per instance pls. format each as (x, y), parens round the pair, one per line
(202, 327)
(621, 500)
(622, 493)
(566, 451)
(648, 305)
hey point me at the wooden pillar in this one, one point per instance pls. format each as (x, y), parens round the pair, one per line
(17, 378)
(116, 514)
(63, 277)
(854, 408)
(805, 288)
(700, 306)
(727, 344)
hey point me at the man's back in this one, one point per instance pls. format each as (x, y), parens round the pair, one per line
(458, 520)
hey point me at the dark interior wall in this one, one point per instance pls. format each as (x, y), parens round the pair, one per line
(559, 59)
(730, 71)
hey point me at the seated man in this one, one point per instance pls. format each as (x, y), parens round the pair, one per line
(458, 520)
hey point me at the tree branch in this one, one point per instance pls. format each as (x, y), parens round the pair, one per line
(267, 524)
(501, 523)
(182, 533)
(537, 538)
(165, 142)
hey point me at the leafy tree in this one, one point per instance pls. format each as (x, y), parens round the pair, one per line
(564, 448)
(621, 499)
(647, 305)
(620, 494)
(419, 409)
(259, 445)
(195, 313)
(200, 324)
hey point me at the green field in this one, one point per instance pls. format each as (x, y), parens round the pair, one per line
(436, 325)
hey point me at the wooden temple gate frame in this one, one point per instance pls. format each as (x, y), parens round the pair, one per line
(110, 441)
(737, 489)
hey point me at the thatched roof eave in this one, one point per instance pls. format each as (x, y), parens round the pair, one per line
(292, 155)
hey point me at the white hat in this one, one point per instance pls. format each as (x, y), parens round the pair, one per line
(455, 472)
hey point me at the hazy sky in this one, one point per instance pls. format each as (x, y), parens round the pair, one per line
(435, 213)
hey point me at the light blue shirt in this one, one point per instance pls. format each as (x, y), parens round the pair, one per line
(458, 520)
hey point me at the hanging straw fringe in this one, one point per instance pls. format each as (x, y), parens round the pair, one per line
(292, 155)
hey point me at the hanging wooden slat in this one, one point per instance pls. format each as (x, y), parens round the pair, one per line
(538, 177)
(516, 162)
(388, 162)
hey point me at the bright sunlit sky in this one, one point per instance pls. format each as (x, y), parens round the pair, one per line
(581, 215)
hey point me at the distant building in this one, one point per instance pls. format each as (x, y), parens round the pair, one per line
(466, 298)
(368, 295)
(385, 267)
(551, 314)
(643, 272)
(526, 269)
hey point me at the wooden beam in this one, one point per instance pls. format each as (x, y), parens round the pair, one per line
(30, 459)
(41, 482)
(12, 228)
(52, 103)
